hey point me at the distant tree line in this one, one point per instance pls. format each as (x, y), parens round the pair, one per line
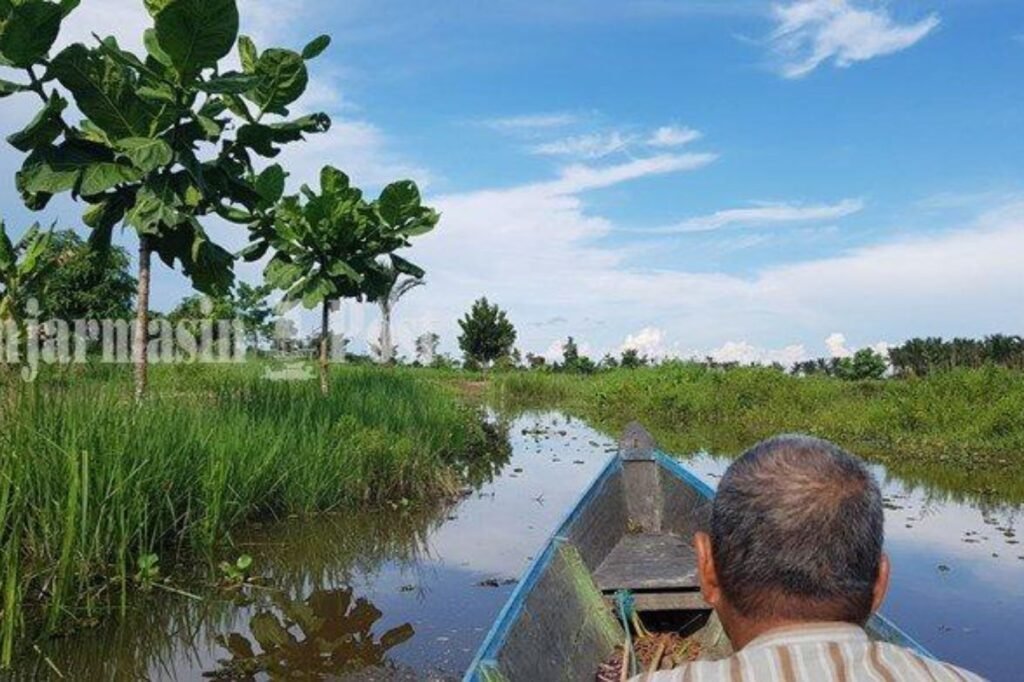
(921, 357)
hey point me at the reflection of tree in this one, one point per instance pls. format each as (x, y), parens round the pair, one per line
(327, 633)
(480, 467)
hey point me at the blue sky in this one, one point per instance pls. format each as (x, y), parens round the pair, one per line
(746, 179)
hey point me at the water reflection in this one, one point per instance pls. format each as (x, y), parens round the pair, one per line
(409, 594)
(327, 633)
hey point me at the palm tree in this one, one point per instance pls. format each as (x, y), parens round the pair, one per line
(391, 288)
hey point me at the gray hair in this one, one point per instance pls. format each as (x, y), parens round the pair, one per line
(797, 528)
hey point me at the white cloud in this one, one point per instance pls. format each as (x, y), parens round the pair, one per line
(745, 353)
(532, 122)
(538, 252)
(766, 214)
(672, 136)
(649, 342)
(810, 32)
(580, 177)
(836, 345)
(593, 146)
(598, 145)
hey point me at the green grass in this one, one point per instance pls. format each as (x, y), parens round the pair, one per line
(89, 481)
(960, 432)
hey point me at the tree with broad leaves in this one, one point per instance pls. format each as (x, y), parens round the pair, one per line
(393, 286)
(22, 265)
(487, 334)
(166, 139)
(329, 246)
(82, 283)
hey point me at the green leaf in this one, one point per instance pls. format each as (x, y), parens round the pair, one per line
(9, 88)
(153, 49)
(162, 94)
(340, 268)
(315, 291)
(146, 153)
(397, 200)
(44, 128)
(282, 274)
(283, 79)
(56, 169)
(99, 177)
(247, 54)
(29, 32)
(316, 47)
(230, 83)
(208, 265)
(402, 265)
(261, 138)
(68, 6)
(196, 34)
(270, 184)
(7, 255)
(156, 206)
(102, 217)
(104, 90)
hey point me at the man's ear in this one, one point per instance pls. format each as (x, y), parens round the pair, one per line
(881, 583)
(709, 585)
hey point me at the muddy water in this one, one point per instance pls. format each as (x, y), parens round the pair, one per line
(410, 594)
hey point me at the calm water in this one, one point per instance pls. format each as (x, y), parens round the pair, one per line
(410, 595)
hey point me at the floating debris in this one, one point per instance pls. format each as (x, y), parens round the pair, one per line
(497, 582)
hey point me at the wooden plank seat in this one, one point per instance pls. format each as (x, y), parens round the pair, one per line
(648, 561)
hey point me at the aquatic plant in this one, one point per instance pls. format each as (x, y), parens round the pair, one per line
(90, 481)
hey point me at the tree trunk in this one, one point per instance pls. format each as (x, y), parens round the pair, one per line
(325, 335)
(140, 344)
(386, 349)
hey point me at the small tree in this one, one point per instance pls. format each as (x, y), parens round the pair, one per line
(155, 149)
(251, 307)
(328, 247)
(486, 333)
(426, 348)
(389, 291)
(631, 359)
(867, 364)
(83, 283)
(22, 265)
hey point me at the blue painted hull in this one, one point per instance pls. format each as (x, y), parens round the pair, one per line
(531, 640)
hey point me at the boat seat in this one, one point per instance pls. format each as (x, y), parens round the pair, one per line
(648, 561)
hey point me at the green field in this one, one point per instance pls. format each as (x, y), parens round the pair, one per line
(961, 431)
(91, 481)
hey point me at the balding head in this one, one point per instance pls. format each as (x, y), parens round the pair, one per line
(796, 533)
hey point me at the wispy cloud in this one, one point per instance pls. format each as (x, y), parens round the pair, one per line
(763, 214)
(597, 145)
(579, 177)
(593, 146)
(532, 122)
(673, 136)
(811, 32)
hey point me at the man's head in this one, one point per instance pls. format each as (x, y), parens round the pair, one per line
(796, 535)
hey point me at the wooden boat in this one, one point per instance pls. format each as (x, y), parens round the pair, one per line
(631, 530)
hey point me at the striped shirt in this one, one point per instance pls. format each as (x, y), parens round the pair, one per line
(818, 652)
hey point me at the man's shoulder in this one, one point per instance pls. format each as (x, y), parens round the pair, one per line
(939, 670)
(815, 663)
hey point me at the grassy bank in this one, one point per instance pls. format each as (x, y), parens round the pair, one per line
(961, 431)
(89, 482)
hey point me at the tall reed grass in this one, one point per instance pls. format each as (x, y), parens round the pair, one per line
(89, 481)
(960, 431)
